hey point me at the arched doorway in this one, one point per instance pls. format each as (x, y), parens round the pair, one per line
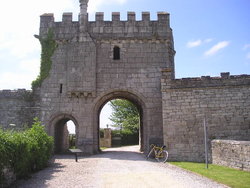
(64, 129)
(124, 123)
(126, 95)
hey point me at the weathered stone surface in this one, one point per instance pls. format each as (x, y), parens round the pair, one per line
(105, 141)
(223, 102)
(85, 75)
(17, 108)
(231, 153)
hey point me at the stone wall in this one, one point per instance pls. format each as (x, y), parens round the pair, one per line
(231, 153)
(101, 29)
(105, 141)
(223, 101)
(17, 108)
(85, 75)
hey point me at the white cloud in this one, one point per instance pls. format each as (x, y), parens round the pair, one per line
(11, 80)
(246, 46)
(216, 48)
(32, 66)
(208, 40)
(192, 44)
(25, 72)
(19, 22)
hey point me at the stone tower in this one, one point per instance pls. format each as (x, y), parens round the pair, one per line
(83, 15)
(97, 61)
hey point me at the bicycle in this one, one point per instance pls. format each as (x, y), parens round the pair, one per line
(159, 153)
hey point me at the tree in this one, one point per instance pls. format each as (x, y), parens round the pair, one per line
(125, 115)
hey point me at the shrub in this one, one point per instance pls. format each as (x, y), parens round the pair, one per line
(25, 151)
(72, 141)
(127, 137)
(130, 138)
(5, 150)
(116, 133)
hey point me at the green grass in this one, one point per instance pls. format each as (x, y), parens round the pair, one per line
(228, 176)
(103, 148)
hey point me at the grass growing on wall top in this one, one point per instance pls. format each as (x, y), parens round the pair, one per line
(48, 46)
(228, 176)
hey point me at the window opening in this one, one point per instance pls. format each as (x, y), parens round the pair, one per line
(116, 51)
(61, 88)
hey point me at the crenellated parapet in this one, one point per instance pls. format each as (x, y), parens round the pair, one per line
(225, 80)
(15, 94)
(68, 29)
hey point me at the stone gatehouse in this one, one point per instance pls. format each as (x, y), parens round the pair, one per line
(97, 61)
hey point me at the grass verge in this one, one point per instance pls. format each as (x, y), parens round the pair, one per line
(227, 176)
(103, 148)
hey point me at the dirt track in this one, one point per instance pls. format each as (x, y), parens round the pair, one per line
(116, 167)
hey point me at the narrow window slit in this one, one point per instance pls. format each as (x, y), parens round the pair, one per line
(61, 87)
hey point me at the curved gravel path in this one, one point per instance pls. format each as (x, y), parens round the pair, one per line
(116, 167)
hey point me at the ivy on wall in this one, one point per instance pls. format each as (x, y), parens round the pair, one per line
(48, 46)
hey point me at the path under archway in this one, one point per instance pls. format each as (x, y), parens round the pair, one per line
(133, 98)
(58, 129)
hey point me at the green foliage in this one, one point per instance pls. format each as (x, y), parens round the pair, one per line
(48, 46)
(41, 146)
(5, 149)
(125, 115)
(228, 176)
(127, 137)
(103, 148)
(116, 133)
(25, 151)
(72, 141)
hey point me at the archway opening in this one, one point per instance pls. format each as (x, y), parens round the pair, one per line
(64, 135)
(120, 123)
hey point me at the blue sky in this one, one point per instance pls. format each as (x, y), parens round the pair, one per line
(210, 36)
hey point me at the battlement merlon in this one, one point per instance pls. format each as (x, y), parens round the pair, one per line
(18, 94)
(225, 80)
(131, 27)
(162, 17)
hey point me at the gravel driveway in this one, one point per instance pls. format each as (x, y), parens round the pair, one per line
(115, 168)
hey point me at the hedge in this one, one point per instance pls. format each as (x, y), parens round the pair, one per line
(26, 151)
(127, 137)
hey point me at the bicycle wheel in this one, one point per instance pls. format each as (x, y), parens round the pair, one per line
(150, 153)
(162, 156)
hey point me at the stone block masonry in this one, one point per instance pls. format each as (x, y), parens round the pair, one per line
(98, 61)
(231, 153)
(17, 108)
(223, 101)
(101, 29)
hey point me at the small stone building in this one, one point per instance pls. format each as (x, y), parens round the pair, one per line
(97, 61)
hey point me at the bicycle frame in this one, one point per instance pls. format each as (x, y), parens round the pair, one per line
(159, 153)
